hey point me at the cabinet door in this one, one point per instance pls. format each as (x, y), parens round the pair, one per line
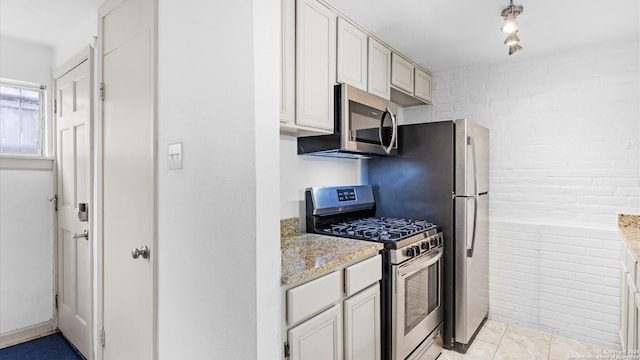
(352, 55)
(379, 69)
(362, 325)
(422, 85)
(632, 316)
(319, 338)
(315, 64)
(637, 323)
(287, 57)
(402, 73)
(624, 307)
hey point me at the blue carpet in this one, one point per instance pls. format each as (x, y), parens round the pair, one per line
(50, 347)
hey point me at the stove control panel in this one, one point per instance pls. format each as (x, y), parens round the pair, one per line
(346, 194)
(420, 247)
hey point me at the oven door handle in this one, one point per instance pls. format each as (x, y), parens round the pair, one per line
(422, 264)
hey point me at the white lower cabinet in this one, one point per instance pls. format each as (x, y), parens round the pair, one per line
(624, 306)
(324, 321)
(629, 304)
(362, 325)
(319, 338)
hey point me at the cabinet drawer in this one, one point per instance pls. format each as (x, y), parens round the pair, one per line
(312, 297)
(361, 275)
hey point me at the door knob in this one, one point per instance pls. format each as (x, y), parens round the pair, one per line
(141, 251)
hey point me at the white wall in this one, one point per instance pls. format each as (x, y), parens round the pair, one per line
(211, 97)
(26, 249)
(300, 172)
(565, 160)
(26, 243)
(81, 36)
(266, 32)
(25, 61)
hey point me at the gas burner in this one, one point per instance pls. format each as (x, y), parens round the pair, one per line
(378, 229)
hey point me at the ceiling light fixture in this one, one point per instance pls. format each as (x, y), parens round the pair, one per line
(512, 39)
(510, 26)
(514, 48)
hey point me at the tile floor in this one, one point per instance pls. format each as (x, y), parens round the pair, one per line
(499, 341)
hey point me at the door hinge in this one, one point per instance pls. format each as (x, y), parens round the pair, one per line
(286, 350)
(102, 91)
(56, 300)
(54, 200)
(55, 106)
(101, 336)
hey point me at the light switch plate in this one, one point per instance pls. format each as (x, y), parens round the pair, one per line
(175, 156)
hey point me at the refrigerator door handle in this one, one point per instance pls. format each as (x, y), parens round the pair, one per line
(472, 144)
(475, 223)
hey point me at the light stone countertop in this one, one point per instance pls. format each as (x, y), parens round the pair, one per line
(307, 255)
(630, 228)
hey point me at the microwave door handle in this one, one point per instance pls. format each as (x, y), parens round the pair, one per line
(402, 271)
(384, 114)
(394, 127)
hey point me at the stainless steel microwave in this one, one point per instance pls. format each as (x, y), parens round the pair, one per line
(365, 125)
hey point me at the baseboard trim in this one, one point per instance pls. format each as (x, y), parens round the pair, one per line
(25, 334)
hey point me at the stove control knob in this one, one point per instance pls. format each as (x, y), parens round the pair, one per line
(417, 249)
(425, 245)
(410, 252)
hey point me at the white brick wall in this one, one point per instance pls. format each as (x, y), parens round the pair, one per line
(565, 160)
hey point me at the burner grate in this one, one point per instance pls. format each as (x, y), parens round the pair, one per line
(379, 229)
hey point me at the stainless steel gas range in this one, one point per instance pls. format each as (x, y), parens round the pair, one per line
(411, 288)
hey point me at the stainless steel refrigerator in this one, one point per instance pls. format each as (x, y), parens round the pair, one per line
(441, 174)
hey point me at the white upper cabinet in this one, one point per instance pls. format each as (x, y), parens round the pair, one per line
(315, 64)
(288, 68)
(402, 73)
(321, 46)
(379, 69)
(422, 85)
(352, 55)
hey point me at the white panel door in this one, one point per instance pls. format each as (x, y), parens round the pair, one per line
(73, 165)
(127, 30)
(315, 64)
(319, 338)
(352, 55)
(362, 325)
(379, 69)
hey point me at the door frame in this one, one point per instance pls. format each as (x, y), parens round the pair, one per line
(104, 9)
(85, 54)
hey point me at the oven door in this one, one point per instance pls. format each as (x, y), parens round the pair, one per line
(417, 309)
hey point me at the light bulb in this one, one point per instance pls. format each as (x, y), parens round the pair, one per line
(510, 25)
(512, 39)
